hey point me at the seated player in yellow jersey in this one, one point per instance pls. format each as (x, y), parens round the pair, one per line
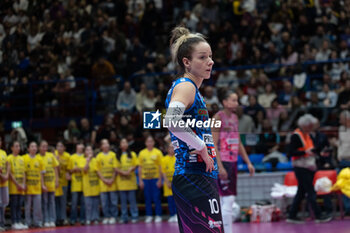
(51, 181)
(106, 167)
(91, 186)
(34, 174)
(17, 185)
(4, 192)
(150, 178)
(75, 174)
(168, 169)
(61, 192)
(126, 179)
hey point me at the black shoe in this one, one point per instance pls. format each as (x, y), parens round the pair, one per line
(323, 218)
(295, 220)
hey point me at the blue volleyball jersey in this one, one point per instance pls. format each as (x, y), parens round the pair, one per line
(187, 163)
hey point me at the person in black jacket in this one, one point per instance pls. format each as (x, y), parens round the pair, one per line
(323, 160)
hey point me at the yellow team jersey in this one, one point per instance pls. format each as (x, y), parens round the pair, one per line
(50, 163)
(17, 170)
(150, 162)
(168, 168)
(3, 165)
(77, 177)
(63, 160)
(63, 182)
(106, 164)
(127, 183)
(91, 185)
(34, 167)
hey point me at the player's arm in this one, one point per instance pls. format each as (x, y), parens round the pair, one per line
(216, 137)
(5, 177)
(245, 158)
(141, 184)
(182, 98)
(57, 177)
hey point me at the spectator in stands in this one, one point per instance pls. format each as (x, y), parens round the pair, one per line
(102, 73)
(289, 56)
(140, 97)
(87, 133)
(301, 150)
(344, 97)
(265, 99)
(269, 145)
(273, 113)
(126, 99)
(324, 53)
(286, 94)
(253, 108)
(226, 79)
(316, 108)
(107, 130)
(328, 97)
(71, 134)
(149, 101)
(210, 97)
(246, 123)
(317, 40)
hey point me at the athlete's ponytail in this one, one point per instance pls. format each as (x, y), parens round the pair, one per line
(182, 42)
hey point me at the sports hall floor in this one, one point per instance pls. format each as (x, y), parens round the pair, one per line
(335, 226)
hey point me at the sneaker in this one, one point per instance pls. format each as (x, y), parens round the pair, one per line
(52, 224)
(323, 218)
(96, 222)
(87, 222)
(112, 221)
(295, 220)
(158, 219)
(66, 222)
(47, 224)
(121, 221)
(134, 221)
(16, 226)
(105, 221)
(148, 219)
(23, 226)
(2, 229)
(172, 218)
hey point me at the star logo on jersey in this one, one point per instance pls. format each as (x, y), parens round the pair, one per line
(151, 120)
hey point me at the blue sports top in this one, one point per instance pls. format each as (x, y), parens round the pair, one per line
(187, 163)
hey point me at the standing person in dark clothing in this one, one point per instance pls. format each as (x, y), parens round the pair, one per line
(302, 152)
(323, 160)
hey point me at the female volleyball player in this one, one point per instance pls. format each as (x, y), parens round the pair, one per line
(194, 183)
(228, 144)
